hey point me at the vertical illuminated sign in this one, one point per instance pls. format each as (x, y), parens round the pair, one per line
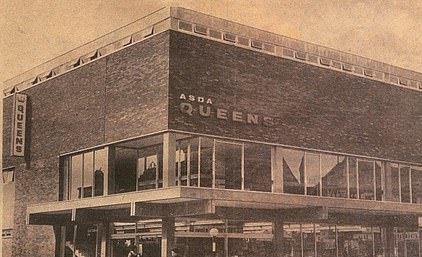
(18, 124)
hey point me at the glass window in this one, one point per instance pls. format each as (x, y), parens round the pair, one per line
(76, 177)
(8, 175)
(312, 164)
(148, 168)
(88, 172)
(366, 179)
(405, 183)
(379, 178)
(293, 172)
(353, 180)
(206, 161)
(228, 165)
(258, 167)
(308, 234)
(334, 175)
(125, 170)
(392, 186)
(417, 185)
(355, 241)
(292, 240)
(101, 168)
(326, 240)
(187, 162)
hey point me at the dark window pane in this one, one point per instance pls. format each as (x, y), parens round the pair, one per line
(366, 179)
(206, 162)
(405, 185)
(258, 167)
(417, 185)
(353, 178)
(392, 186)
(228, 165)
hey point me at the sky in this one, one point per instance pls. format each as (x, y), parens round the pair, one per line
(35, 31)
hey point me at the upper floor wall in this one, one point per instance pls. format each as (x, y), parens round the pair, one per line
(250, 95)
(102, 102)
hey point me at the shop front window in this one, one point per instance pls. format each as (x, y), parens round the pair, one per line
(206, 161)
(293, 171)
(366, 179)
(353, 178)
(82, 175)
(187, 161)
(392, 182)
(417, 185)
(257, 167)
(228, 165)
(334, 175)
(312, 171)
(137, 165)
(405, 184)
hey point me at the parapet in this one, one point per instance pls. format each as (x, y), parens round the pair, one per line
(213, 28)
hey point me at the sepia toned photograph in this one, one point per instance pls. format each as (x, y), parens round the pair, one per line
(211, 128)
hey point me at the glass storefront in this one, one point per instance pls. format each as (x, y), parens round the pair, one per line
(238, 238)
(208, 162)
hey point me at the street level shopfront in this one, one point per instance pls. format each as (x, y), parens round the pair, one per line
(261, 198)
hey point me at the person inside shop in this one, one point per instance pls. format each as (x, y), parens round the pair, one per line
(132, 250)
(175, 252)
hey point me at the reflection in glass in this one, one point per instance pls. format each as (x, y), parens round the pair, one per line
(292, 240)
(353, 186)
(417, 185)
(257, 167)
(76, 176)
(379, 177)
(187, 161)
(101, 168)
(334, 175)
(312, 164)
(404, 183)
(308, 234)
(88, 172)
(355, 241)
(366, 179)
(326, 240)
(392, 186)
(206, 161)
(228, 165)
(293, 171)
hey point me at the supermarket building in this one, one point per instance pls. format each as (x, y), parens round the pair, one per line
(182, 124)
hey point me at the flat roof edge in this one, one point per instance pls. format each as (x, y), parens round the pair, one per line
(170, 17)
(90, 48)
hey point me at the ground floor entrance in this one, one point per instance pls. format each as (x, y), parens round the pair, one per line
(241, 238)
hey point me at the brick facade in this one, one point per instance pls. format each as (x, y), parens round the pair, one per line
(101, 102)
(312, 107)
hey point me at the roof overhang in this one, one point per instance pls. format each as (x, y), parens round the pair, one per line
(223, 203)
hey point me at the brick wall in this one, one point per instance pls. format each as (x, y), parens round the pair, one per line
(117, 97)
(311, 106)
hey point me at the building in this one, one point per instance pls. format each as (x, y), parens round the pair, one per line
(189, 131)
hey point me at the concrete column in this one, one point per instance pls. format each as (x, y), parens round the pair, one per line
(277, 169)
(278, 238)
(167, 237)
(169, 159)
